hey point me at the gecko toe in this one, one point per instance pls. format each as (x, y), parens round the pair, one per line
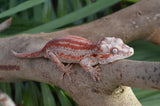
(67, 71)
(62, 75)
(97, 68)
(95, 75)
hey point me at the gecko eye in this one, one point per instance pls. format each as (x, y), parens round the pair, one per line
(114, 50)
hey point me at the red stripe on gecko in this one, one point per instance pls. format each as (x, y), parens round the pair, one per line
(80, 38)
(77, 38)
(105, 56)
(70, 56)
(71, 42)
(60, 41)
(76, 42)
(75, 47)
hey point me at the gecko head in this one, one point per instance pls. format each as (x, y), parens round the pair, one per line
(112, 49)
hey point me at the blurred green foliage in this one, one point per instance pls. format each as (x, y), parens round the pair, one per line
(34, 16)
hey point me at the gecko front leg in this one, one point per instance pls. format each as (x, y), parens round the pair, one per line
(88, 63)
(64, 69)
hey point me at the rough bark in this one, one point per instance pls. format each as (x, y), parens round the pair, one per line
(134, 22)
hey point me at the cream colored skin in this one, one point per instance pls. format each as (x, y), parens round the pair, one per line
(116, 47)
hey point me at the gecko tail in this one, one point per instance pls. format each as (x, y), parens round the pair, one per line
(28, 55)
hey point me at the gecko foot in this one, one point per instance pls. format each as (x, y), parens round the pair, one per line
(95, 73)
(66, 71)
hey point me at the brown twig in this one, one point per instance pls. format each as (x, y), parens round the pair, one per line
(5, 24)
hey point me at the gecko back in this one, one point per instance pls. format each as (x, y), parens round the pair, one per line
(70, 48)
(67, 48)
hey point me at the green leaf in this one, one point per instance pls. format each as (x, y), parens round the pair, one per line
(32, 95)
(21, 7)
(18, 92)
(63, 98)
(61, 9)
(91, 17)
(37, 15)
(12, 3)
(77, 5)
(27, 99)
(145, 51)
(143, 94)
(48, 11)
(154, 100)
(147, 97)
(6, 87)
(48, 99)
(74, 16)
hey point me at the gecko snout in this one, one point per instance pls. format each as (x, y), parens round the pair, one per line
(131, 51)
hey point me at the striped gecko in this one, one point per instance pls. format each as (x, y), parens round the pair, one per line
(74, 49)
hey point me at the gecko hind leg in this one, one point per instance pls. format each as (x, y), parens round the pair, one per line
(64, 69)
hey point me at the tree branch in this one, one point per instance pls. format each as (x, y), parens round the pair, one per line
(138, 74)
(134, 22)
(5, 24)
(128, 73)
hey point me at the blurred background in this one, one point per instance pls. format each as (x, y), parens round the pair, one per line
(35, 16)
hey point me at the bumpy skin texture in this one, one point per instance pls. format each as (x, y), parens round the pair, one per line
(74, 49)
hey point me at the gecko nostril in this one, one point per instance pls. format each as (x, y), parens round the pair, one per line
(131, 51)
